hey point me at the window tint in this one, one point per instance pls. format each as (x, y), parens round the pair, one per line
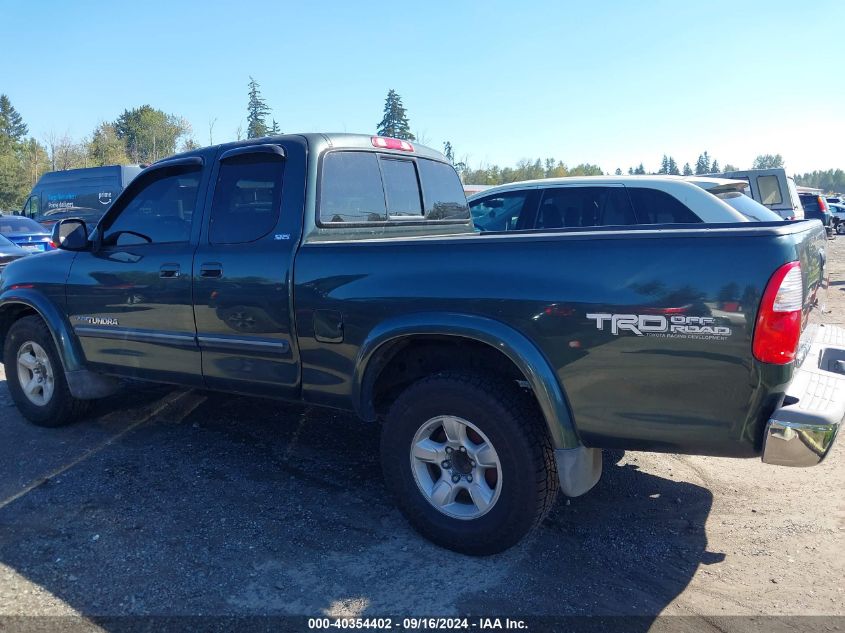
(160, 212)
(351, 188)
(247, 198)
(751, 209)
(442, 191)
(769, 189)
(657, 207)
(499, 212)
(401, 188)
(11, 224)
(569, 207)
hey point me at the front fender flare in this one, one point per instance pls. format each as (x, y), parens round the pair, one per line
(66, 344)
(515, 345)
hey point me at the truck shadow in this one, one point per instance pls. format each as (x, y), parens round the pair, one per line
(252, 507)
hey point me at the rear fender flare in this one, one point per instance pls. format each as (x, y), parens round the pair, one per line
(516, 346)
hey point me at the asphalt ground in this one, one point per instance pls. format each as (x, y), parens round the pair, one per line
(170, 502)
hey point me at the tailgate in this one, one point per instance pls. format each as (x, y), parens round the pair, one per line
(811, 247)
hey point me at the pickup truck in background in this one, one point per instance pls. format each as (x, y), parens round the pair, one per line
(772, 188)
(345, 271)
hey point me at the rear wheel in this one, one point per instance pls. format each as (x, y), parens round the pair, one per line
(469, 461)
(840, 227)
(35, 375)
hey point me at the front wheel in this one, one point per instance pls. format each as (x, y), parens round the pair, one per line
(469, 461)
(35, 375)
(840, 228)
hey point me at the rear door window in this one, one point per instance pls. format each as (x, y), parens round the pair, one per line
(351, 189)
(401, 188)
(658, 207)
(769, 189)
(573, 207)
(247, 198)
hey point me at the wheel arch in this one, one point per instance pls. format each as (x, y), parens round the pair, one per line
(18, 303)
(510, 347)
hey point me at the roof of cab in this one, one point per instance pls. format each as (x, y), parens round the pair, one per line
(319, 142)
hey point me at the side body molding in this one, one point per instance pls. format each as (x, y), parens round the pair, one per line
(521, 351)
(82, 382)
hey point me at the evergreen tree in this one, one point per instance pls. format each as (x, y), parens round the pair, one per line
(702, 165)
(274, 129)
(395, 123)
(714, 168)
(664, 165)
(449, 152)
(12, 128)
(687, 170)
(618, 172)
(630, 171)
(673, 167)
(640, 170)
(256, 112)
(729, 167)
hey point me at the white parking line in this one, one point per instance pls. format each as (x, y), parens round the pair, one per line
(189, 398)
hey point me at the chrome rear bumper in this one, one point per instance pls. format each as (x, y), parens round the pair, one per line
(802, 431)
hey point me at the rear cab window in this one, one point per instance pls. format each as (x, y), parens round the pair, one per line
(364, 187)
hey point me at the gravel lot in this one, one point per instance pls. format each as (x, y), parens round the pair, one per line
(177, 502)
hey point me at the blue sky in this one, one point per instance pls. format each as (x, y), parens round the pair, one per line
(612, 83)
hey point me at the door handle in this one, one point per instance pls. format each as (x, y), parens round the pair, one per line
(169, 271)
(211, 270)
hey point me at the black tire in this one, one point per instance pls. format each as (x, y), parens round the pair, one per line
(511, 420)
(62, 408)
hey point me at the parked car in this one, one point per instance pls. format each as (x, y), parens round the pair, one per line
(837, 213)
(816, 208)
(26, 233)
(9, 252)
(835, 200)
(498, 365)
(92, 189)
(772, 188)
(555, 203)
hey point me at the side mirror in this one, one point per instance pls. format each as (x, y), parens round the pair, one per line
(70, 234)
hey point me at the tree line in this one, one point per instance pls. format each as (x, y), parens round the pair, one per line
(145, 134)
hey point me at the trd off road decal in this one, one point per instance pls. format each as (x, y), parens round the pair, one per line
(674, 326)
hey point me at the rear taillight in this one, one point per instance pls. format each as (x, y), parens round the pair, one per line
(778, 326)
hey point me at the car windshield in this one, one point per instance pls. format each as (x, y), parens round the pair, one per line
(9, 225)
(748, 207)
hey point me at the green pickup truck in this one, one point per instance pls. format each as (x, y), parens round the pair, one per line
(344, 271)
